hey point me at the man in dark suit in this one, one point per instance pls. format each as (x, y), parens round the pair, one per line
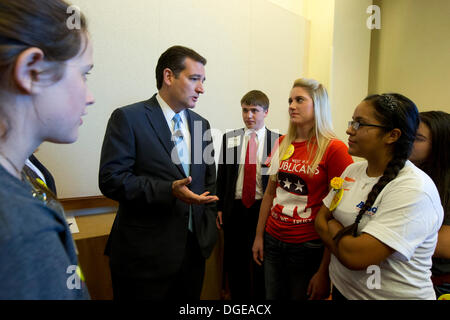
(152, 163)
(241, 181)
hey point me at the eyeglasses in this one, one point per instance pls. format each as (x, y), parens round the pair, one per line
(355, 125)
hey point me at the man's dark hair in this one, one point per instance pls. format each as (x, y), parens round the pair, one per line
(173, 58)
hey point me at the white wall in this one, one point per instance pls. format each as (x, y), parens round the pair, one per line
(249, 44)
(297, 7)
(320, 16)
(350, 61)
(410, 53)
(338, 52)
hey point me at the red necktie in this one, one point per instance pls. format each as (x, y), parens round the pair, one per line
(249, 185)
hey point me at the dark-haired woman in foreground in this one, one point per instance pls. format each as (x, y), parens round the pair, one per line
(383, 232)
(430, 153)
(43, 95)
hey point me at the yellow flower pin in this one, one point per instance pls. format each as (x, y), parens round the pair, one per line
(337, 184)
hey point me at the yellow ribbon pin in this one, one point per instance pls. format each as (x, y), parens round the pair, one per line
(80, 273)
(337, 198)
(337, 184)
(42, 183)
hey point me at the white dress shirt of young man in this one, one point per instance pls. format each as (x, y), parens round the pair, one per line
(260, 138)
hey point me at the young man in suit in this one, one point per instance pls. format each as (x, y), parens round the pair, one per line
(150, 163)
(241, 182)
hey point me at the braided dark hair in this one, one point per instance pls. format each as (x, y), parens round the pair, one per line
(392, 110)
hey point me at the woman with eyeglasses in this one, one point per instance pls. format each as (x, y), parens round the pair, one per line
(308, 157)
(43, 96)
(430, 153)
(383, 231)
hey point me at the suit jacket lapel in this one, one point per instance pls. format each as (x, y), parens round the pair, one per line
(267, 147)
(238, 148)
(236, 153)
(159, 124)
(194, 138)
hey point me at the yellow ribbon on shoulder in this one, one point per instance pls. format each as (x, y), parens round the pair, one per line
(337, 183)
(336, 199)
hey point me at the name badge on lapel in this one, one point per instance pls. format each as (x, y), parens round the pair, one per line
(234, 142)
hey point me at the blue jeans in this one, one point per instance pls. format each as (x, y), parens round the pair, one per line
(288, 267)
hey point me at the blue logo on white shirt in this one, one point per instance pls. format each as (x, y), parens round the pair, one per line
(370, 211)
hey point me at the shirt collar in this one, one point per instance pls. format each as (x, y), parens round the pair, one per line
(167, 110)
(259, 133)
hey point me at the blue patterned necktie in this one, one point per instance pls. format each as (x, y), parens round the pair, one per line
(183, 155)
(180, 144)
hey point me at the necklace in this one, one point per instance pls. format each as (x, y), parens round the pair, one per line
(11, 164)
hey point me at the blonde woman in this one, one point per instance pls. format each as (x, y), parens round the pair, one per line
(308, 157)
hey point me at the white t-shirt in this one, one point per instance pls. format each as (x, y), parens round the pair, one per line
(406, 216)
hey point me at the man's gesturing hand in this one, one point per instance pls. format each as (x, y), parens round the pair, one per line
(182, 192)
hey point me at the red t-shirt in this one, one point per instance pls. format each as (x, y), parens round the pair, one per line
(299, 195)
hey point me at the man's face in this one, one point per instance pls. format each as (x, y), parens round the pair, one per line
(185, 89)
(253, 116)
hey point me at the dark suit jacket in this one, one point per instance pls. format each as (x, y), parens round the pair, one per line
(228, 169)
(49, 181)
(148, 237)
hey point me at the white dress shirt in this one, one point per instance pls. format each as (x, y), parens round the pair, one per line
(260, 138)
(168, 114)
